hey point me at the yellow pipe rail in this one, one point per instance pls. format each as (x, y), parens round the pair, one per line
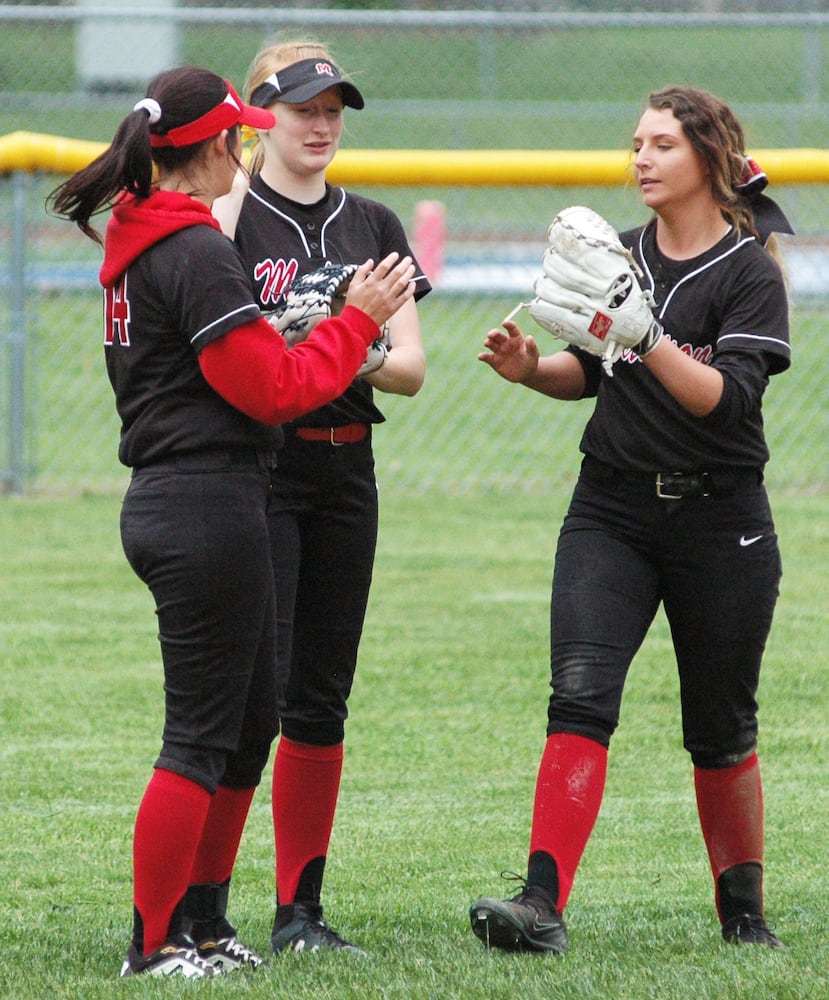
(30, 151)
(554, 168)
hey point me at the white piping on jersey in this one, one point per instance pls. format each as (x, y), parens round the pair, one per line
(292, 222)
(221, 319)
(760, 340)
(691, 274)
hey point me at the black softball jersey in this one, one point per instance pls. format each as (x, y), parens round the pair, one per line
(173, 282)
(727, 308)
(281, 239)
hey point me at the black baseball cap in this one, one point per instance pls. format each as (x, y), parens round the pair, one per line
(302, 81)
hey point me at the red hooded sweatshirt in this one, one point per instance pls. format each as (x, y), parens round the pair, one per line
(239, 354)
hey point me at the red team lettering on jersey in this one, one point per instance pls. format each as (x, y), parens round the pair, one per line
(704, 353)
(117, 314)
(276, 276)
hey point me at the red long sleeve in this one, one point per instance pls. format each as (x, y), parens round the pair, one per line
(254, 371)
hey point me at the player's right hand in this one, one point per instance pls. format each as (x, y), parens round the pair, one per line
(511, 354)
(379, 291)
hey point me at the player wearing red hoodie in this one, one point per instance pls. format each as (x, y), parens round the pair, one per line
(200, 381)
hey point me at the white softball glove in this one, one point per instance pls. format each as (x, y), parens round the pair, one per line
(588, 293)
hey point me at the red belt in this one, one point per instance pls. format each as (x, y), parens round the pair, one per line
(347, 434)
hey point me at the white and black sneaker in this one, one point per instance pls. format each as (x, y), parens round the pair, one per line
(228, 954)
(204, 908)
(176, 958)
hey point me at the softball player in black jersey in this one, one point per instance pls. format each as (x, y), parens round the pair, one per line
(183, 332)
(669, 508)
(323, 508)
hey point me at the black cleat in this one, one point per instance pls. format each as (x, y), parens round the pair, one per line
(527, 922)
(305, 930)
(750, 928)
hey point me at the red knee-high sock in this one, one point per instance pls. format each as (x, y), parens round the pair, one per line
(221, 835)
(306, 783)
(568, 796)
(168, 828)
(730, 807)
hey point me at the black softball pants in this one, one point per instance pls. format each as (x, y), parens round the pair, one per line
(322, 517)
(714, 564)
(195, 531)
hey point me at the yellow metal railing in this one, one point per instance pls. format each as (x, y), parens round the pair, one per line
(30, 151)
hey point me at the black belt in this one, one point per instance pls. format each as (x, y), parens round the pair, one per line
(215, 460)
(677, 485)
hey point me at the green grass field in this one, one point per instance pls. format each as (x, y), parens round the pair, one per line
(446, 730)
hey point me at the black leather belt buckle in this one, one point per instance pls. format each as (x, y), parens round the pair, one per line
(678, 485)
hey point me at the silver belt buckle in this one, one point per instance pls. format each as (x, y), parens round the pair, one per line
(660, 489)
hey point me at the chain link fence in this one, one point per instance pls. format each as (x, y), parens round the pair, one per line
(432, 80)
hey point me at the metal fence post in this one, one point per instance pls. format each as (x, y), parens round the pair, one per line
(17, 335)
